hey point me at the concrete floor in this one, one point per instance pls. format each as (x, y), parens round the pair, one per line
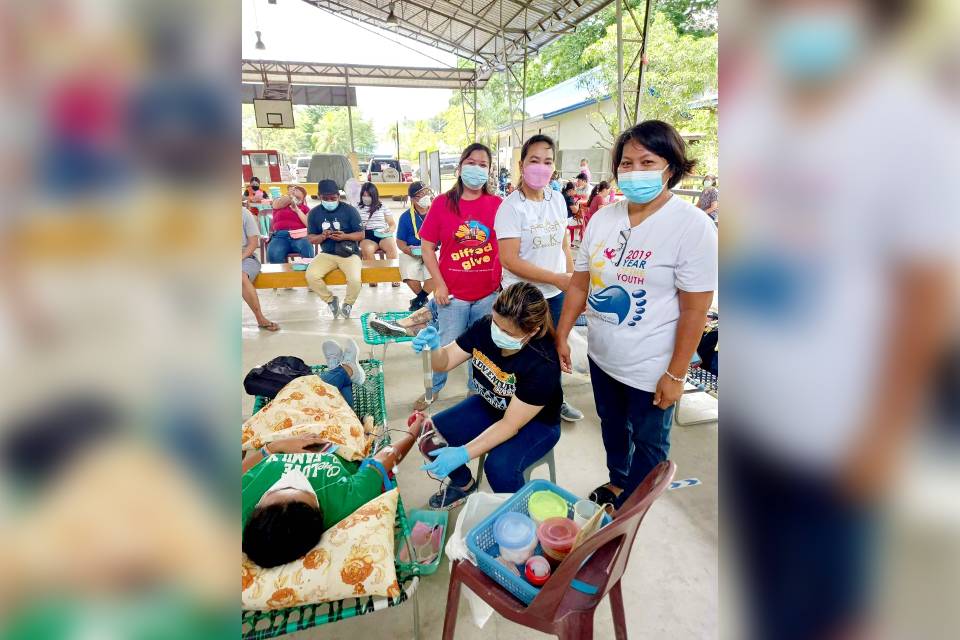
(671, 584)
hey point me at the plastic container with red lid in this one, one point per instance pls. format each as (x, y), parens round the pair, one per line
(556, 536)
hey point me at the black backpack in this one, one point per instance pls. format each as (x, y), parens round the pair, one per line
(269, 379)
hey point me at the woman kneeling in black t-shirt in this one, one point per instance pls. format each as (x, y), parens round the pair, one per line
(514, 415)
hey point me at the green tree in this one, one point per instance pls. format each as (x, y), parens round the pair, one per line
(681, 68)
(562, 59)
(331, 133)
(697, 18)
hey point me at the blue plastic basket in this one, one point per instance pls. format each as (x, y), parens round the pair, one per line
(481, 543)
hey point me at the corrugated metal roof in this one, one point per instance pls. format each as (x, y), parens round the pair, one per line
(492, 33)
(570, 94)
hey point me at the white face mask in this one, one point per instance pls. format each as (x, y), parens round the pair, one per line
(425, 202)
(292, 480)
(366, 200)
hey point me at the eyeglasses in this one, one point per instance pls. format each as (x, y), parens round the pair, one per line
(622, 246)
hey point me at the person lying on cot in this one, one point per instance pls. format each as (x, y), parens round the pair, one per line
(296, 488)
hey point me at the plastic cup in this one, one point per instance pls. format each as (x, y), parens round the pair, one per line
(583, 510)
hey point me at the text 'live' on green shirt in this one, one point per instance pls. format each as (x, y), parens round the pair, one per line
(341, 489)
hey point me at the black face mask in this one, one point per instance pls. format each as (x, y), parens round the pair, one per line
(255, 187)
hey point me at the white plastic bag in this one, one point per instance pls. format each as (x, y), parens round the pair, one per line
(477, 507)
(352, 190)
(578, 350)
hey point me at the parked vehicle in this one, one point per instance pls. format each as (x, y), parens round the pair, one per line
(448, 165)
(385, 170)
(265, 164)
(303, 167)
(332, 166)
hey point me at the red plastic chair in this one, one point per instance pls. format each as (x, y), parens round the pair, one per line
(559, 609)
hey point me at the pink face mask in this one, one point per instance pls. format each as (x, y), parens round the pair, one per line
(537, 176)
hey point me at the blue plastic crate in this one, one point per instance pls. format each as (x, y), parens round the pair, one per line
(481, 543)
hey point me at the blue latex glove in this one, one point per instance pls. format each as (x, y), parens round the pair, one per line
(428, 338)
(446, 460)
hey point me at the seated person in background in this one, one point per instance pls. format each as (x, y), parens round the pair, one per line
(555, 181)
(585, 168)
(573, 205)
(299, 196)
(250, 269)
(289, 232)
(598, 197)
(294, 489)
(514, 415)
(582, 191)
(337, 228)
(412, 269)
(253, 193)
(376, 218)
(508, 189)
(709, 200)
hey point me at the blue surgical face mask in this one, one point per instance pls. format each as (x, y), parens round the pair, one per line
(641, 187)
(816, 46)
(502, 339)
(329, 206)
(474, 176)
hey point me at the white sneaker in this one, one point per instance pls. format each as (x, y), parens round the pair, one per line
(351, 358)
(332, 353)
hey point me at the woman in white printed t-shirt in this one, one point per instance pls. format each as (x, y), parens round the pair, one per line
(531, 227)
(646, 272)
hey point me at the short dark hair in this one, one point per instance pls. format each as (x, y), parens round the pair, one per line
(534, 139)
(280, 533)
(660, 138)
(569, 186)
(582, 176)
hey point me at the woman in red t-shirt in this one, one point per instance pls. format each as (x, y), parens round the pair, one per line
(597, 198)
(288, 231)
(467, 274)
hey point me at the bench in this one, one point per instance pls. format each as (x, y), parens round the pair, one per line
(281, 276)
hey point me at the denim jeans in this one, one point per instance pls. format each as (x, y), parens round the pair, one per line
(338, 377)
(636, 434)
(506, 462)
(281, 244)
(452, 320)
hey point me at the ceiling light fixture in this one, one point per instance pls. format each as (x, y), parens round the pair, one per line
(391, 17)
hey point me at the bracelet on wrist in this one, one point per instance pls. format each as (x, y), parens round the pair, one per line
(673, 377)
(264, 451)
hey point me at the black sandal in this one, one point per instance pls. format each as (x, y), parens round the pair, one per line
(602, 495)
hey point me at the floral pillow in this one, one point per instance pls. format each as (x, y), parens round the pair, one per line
(353, 558)
(308, 405)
